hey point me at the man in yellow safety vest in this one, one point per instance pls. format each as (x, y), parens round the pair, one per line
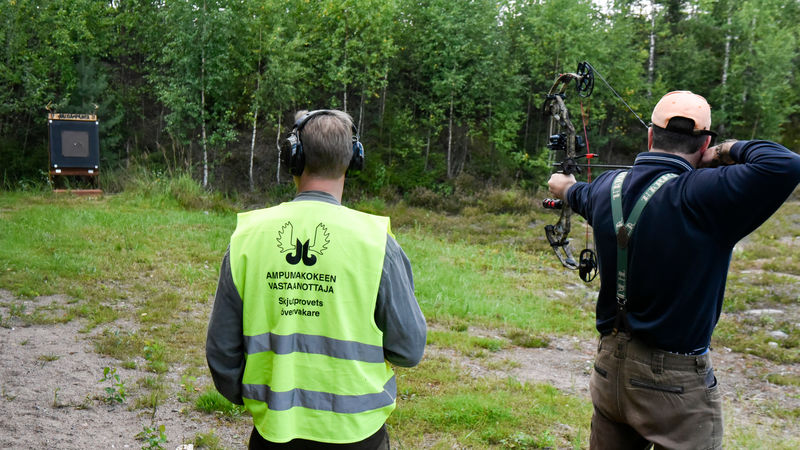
(314, 302)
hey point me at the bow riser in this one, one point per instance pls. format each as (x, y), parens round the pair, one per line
(562, 136)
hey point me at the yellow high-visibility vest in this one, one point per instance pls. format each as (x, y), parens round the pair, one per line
(308, 274)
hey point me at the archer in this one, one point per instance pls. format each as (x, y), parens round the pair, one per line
(665, 232)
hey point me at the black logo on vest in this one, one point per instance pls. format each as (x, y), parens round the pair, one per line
(287, 243)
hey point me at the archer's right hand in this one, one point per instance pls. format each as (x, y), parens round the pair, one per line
(718, 155)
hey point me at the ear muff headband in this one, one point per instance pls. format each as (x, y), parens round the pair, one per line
(292, 147)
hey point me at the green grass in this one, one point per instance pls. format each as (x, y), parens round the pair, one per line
(212, 402)
(112, 245)
(492, 287)
(767, 248)
(143, 269)
(527, 340)
(122, 345)
(149, 400)
(130, 256)
(756, 436)
(466, 344)
(439, 405)
(783, 379)
(155, 354)
(207, 440)
(750, 335)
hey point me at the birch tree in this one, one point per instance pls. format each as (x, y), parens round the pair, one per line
(200, 75)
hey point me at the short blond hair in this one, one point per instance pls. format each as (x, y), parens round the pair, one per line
(327, 139)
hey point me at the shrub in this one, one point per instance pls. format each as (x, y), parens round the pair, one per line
(500, 201)
(425, 198)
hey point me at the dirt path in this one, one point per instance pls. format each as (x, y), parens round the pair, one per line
(51, 396)
(567, 365)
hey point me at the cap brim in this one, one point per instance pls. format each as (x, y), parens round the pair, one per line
(686, 131)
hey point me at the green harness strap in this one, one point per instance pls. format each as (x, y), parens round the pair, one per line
(624, 230)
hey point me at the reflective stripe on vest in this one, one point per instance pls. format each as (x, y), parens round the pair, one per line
(306, 343)
(308, 273)
(322, 401)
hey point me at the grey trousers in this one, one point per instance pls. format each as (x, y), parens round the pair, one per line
(644, 396)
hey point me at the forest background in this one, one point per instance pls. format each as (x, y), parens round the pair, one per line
(440, 90)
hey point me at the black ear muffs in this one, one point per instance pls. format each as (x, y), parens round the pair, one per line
(357, 160)
(292, 155)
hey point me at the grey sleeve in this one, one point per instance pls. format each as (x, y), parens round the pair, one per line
(397, 312)
(224, 342)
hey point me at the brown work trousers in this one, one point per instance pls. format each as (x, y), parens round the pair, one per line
(643, 396)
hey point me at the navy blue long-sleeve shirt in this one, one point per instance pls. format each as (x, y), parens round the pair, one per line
(681, 248)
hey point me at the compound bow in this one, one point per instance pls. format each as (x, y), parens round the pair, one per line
(563, 138)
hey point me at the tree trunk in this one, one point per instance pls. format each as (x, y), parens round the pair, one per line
(25, 139)
(450, 138)
(255, 115)
(253, 149)
(278, 147)
(651, 65)
(360, 113)
(462, 160)
(174, 153)
(491, 142)
(203, 122)
(725, 67)
(727, 60)
(344, 64)
(383, 102)
(427, 148)
(755, 127)
(745, 93)
(527, 120)
(158, 142)
(203, 104)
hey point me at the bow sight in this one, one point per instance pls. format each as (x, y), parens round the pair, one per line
(559, 142)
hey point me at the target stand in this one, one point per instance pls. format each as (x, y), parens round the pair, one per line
(74, 153)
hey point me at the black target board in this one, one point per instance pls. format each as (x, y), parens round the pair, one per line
(74, 142)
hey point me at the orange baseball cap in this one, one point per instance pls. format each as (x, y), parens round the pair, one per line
(682, 104)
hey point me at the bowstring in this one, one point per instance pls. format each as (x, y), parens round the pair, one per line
(618, 96)
(588, 163)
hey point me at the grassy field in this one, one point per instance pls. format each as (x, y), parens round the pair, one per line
(150, 257)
